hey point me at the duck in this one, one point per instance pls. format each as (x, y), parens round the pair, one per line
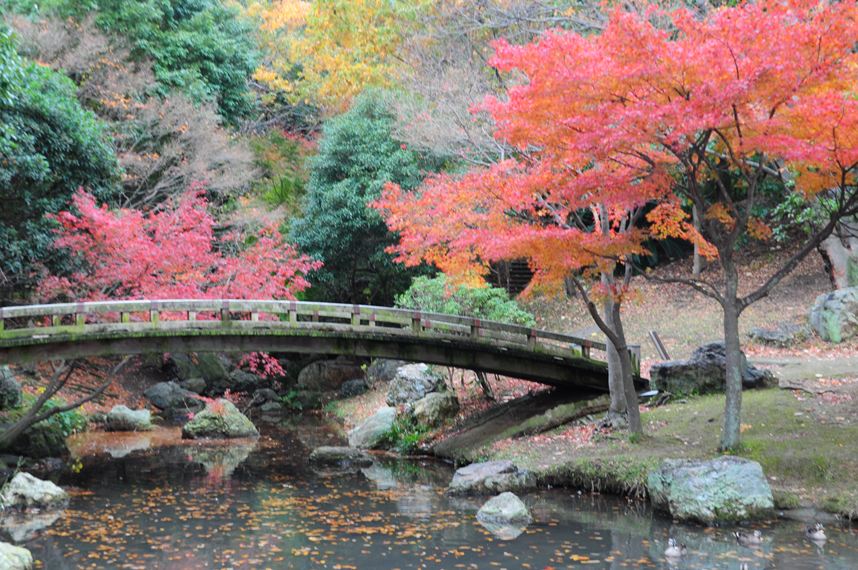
(815, 532)
(674, 550)
(754, 538)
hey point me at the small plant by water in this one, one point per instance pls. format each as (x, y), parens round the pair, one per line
(405, 435)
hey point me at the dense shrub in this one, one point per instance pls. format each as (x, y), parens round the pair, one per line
(49, 147)
(437, 295)
(357, 156)
(201, 47)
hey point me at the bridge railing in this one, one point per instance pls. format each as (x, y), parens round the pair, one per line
(105, 316)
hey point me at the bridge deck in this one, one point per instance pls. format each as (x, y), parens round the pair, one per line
(73, 330)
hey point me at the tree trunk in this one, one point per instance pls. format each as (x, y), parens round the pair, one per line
(616, 385)
(698, 261)
(731, 432)
(840, 250)
(631, 395)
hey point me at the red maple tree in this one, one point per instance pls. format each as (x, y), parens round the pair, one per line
(173, 253)
(659, 108)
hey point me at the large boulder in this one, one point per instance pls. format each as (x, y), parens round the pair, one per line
(704, 372)
(382, 370)
(505, 508)
(373, 431)
(489, 478)
(340, 457)
(212, 368)
(14, 557)
(328, 375)
(411, 383)
(122, 418)
(10, 389)
(432, 409)
(352, 388)
(219, 420)
(42, 440)
(728, 489)
(240, 382)
(834, 315)
(173, 399)
(27, 492)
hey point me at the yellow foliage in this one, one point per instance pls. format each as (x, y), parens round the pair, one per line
(326, 52)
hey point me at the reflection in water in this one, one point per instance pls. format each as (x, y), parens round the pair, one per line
(255, 504)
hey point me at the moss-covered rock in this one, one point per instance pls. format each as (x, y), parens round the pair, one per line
(219, 420)
(834, 315)
(728, 489)
(45, 439)
(10, 389)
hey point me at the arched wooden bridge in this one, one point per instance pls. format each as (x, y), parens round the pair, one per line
(71, 330)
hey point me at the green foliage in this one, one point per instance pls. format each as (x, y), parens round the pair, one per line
(201, 47)
(357, 156)
(436, 295)
(291, 400)
(282, 158)
(405, 435)
(67, 423)
(49, 147)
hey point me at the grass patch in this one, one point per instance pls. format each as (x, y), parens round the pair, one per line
(804, 459)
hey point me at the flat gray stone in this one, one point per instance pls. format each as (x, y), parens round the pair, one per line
(341, 457)
(489, 478)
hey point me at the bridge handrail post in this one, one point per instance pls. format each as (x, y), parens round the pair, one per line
(416, 321)
(531, 338)
(2, 321)
(635, 353)
(355, 315)
(293, 312)
(154, 314)
(475, 328)
(586, 345)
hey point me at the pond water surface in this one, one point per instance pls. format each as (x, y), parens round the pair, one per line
(151, 501)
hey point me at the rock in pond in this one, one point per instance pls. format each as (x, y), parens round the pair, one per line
(729, 489)
(122, 418)
(371, 433)
(173, 399)
(10, 389)
(411, 383)
(219, 420)
(14, 557)
(340, 457)
(834, 315)
(27, 492)
(432, 409)
(505, 508)
(489, 478)
(704, 373)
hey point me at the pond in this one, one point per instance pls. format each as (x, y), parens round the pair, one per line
(151, 501)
